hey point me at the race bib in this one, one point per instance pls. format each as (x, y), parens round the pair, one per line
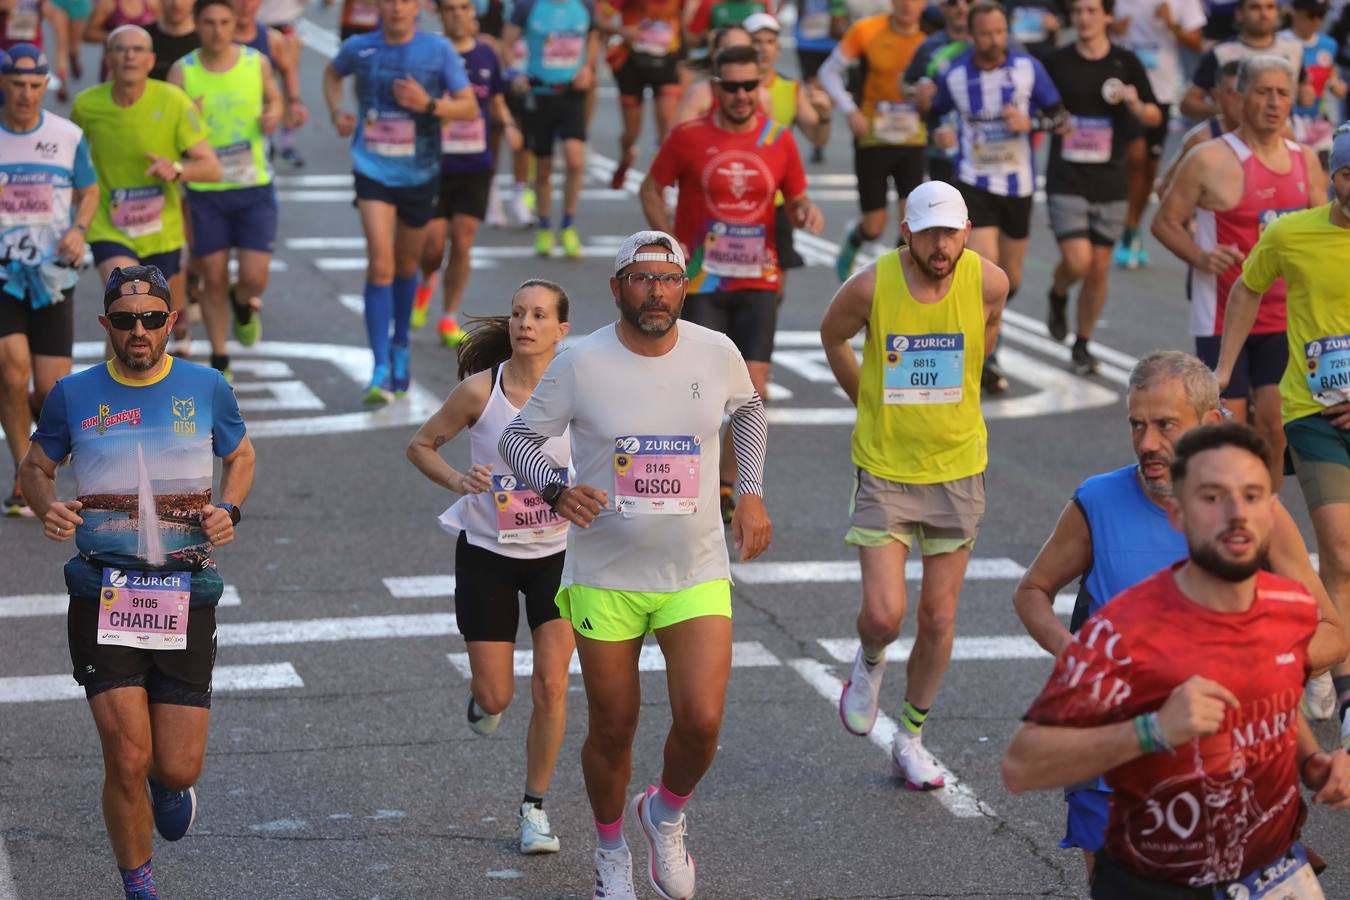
(522, 515)
(895, 123)
(236, 163)
(657, 474)
(1148, 56)
(26, 198)
(1289, 878)
(148, 610)
(137, 211)
(460, 136)
(815, 26)
(995, 150)
(1028, 24)
(563, 51)
(22, 25)
(18, 245)
(924, 368)
(734, 251)
(1089, 141)
(390, 134)
(363, 15)
(654, 38)
(1267, 216)
(1328, 364)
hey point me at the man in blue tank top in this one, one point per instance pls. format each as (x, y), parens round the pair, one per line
(1114, 533)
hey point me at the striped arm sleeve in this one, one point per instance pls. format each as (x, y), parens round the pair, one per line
(750, 438)
(520, 446)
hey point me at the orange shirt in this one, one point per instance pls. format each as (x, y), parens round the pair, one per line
(658, 24)
(886, 55)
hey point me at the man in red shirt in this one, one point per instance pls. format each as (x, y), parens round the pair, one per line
(729, 165)
(1183, 692)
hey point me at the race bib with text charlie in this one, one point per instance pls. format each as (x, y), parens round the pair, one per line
(147, 610)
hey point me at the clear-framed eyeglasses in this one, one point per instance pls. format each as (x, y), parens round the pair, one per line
(665, 280)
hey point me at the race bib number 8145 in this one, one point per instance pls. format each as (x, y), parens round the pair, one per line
(657, 474)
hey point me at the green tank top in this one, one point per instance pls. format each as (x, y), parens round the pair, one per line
(231, 104)
(733, 12)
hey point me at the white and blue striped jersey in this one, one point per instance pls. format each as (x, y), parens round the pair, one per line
(989, 155)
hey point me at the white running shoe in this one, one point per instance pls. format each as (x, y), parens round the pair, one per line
(614, 875)
(479, 721)
(521, 214)
(496, 210)
(861, 697)
(913, 763)
(670, 868)
(536, 836)
(1319, 698)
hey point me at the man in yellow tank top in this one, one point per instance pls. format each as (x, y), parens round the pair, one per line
(931, 311)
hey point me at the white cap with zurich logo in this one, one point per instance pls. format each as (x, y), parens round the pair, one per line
(935, 204)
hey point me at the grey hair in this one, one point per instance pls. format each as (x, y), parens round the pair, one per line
(127, 29)
(1253, 66)
(1202, 388)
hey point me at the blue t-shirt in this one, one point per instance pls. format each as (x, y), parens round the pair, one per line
(465, 145)
(555, 33)
(141, 451)
(392, 145)
(812, 30)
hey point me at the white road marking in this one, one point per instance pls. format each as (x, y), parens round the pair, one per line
(8, 889)
(277, 396)
(349, 628)
(55, 604)
(421, 586)
(41, 688)
(744, 654)
(841, 571)
(1011, 331)
(1036, 326)
(964, 649)
(959, 799)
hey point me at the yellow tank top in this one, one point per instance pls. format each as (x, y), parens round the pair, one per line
(919, 417)
(783, 110)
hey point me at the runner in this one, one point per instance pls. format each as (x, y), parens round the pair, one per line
(284, 55)
(128, 121)
(172, 36)
(931, 310)
(930, 61)
(1214, 737)
(889, 136)
(1228, 102)
(1154, 32)
(1034, 25)
(21, 22)
(110, 15)
(508, 541)
(284, 16)
(559, 72)
(1235, 185)
(1308, 251)
(396, 158)
(728, 165)
(68, 21)
(819, 26)
(1257, 22)
(1000, 98)
(356, 17)
(647, 53)
(49, 199)
(1114, 533)
(234, 88)
(467, 166)
(699, 98)
(654, 559)
(1107, 93)
(1315, 110)
(146, 670)
(703, 18)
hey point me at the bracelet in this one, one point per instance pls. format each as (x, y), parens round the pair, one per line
(1142, 735)
(1155, 732)
(81, 228)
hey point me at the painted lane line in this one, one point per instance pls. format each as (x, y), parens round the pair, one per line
(8, 889)
(744, 655)
(350, 628)
(1036, 326)
(964, 649)
(957, 797)
(55, 604)
(842, 571)
(41, 688)
(421, 586)
(1061, 352)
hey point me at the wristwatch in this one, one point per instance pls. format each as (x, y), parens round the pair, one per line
(431, 106)
(177, 170)
(552, 492)
(235, 514)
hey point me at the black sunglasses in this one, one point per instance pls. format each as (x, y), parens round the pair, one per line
(126, 321)
(732, 87)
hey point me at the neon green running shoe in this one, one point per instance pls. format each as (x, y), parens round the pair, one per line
(571, 243)
(543, 242)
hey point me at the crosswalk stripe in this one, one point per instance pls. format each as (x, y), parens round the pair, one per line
(40, 688)
(350, 628)
(421, 586)
(744, 654)
(964, 649)
(55, 604)
(825, 571)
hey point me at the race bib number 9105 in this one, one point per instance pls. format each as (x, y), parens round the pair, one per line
(148, 610)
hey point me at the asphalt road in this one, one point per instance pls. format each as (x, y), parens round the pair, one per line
(339, 763)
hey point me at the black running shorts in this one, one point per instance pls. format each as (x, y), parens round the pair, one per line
(487, 607)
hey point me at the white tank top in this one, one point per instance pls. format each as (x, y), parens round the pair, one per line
(510, 519)
(274, 13)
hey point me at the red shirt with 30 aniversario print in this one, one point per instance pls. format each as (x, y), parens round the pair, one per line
(1219, 807)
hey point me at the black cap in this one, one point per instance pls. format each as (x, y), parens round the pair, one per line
(150, 275)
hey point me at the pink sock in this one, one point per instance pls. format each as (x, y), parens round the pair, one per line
(664, 805)
(610, 836)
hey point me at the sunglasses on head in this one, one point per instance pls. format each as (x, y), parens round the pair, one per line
(126, 321)
(732, 87)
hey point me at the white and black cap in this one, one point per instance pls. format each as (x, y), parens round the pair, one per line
(631, 251)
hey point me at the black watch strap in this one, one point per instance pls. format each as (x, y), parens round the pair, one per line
(552, 492)
(235, 514)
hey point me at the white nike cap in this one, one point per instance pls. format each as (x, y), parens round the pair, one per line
(760, 21)
(935, 204)
(629, 252)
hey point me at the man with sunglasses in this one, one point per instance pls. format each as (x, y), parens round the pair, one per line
(49, 196)
(650, 555)
(729, 165)
(141, 434)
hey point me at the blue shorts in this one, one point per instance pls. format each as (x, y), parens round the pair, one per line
(1260, 364)
(243, 218)
(416, 206)
(169, 263)
(1086, 828)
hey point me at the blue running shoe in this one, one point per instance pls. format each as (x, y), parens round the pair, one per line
(1124, 258)
(1140, 254)
(175, 811)
(378, 390)
(848, 256)
(401, 358)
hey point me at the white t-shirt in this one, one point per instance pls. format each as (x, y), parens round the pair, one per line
(638, 423)
(1154, 43)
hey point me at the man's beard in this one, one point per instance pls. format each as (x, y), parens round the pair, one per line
(1207, 557)
(633, 315)
(142, 364)
(1160, 486)
(928, 270)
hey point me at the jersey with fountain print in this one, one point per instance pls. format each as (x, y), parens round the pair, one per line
(142, 457)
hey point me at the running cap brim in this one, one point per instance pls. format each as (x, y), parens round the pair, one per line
(151, 276)
(9, 60)
(631, 251)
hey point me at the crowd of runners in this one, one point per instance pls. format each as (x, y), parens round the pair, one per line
(1191, 689)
